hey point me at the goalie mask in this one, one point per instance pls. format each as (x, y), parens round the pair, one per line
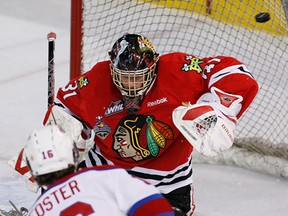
(50, 150)
(133, 63)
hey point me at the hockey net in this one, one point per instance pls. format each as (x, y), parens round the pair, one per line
(205, 28)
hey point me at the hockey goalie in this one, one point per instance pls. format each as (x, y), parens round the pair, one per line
(147, 113)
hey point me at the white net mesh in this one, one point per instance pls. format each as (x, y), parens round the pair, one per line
(229, 29)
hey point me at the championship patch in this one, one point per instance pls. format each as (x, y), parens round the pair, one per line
(101, 129)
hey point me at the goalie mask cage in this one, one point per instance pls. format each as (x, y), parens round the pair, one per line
(205, 28)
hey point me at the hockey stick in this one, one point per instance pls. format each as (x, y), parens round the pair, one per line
(51, 80)
(14, 211)
(18, 162)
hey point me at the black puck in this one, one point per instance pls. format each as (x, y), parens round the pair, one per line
(262, 17)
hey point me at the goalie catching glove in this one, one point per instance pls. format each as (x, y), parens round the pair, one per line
(209, 124)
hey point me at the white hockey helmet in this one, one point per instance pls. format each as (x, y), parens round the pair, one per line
(49, 150)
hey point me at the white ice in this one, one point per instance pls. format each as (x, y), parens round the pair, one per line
(219, 190)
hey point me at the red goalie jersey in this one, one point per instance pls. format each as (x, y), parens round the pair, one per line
(147, 143)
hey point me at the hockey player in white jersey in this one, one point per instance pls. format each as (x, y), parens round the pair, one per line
(104, 190)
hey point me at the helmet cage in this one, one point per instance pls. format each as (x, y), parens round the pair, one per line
(141, 78)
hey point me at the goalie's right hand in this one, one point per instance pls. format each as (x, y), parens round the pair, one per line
(208, 132)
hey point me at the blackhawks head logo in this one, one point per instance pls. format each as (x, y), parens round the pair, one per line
(140, 137)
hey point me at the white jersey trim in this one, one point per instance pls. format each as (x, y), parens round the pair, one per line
(235, 69)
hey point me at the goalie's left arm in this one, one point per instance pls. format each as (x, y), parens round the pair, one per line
(210, 123)
(230, 85)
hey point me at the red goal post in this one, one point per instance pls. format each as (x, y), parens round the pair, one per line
(205, 28)
(76, 38)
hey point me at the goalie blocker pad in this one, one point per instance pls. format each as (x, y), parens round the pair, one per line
(71, 126)
(206, 131)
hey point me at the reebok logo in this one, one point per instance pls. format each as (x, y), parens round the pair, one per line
(157, 102)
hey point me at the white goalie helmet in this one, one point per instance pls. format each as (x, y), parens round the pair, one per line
(49, 150)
